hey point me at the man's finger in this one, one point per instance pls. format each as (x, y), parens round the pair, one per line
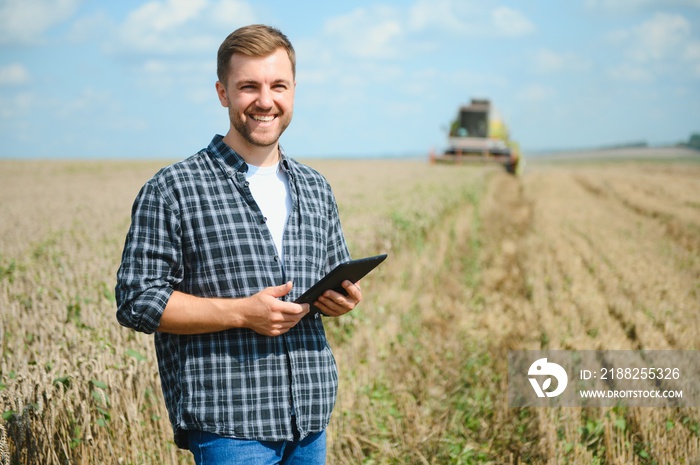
(353, 290)
(281, 290)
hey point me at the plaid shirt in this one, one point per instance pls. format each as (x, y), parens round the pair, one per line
(196, 229)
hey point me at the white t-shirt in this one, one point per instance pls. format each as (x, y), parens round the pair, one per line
(270, 188)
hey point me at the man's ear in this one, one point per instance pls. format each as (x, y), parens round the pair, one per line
(221, 92)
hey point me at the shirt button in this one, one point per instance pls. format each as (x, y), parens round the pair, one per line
(246, 184)
(276, 258)
(264, 220)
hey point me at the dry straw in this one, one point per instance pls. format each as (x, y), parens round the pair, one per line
(566, 257)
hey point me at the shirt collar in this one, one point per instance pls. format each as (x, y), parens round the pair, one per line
(226, 154)
(233, 160)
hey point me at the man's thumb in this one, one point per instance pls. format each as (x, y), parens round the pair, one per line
(281, 290)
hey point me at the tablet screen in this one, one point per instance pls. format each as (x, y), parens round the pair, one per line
(352, 270)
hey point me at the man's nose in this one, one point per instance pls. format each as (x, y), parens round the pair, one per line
(265, 98)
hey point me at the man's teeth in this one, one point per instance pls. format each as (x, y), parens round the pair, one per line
(263, 119)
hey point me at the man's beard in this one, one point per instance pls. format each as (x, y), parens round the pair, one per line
(260, 140)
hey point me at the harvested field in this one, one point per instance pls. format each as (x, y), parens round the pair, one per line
(569, 256)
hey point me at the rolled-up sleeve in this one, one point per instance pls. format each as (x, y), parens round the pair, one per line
(151, 264)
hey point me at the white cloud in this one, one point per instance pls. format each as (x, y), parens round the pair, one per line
(24, 21)
(87, 28)
(192, 67)
(374, 32)
(13, 74)
(383, 32)
(182, 26)
(448, 15)
(155, 67)
(17, 105)
(170, 45)
(547, 61)
(152, 27)
(659, 37)
(509, 22)
(386, 52)
(188, 78)
(87, 102)
(631, 72)
(692, 56)
(692, 51)
(535, 93)
(228, 12)
(623, 6)
(468, 17)
(663, 44)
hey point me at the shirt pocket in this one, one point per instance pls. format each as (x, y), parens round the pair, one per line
(315, 229)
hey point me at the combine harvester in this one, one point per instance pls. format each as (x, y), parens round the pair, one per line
(479, 135)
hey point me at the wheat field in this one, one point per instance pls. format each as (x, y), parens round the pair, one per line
(570, 255)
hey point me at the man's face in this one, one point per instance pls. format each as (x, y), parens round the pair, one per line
(259, 94)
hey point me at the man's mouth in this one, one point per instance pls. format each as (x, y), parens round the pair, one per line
(263, 118)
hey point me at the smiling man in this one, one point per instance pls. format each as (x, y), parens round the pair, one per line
(220, 246)
(259, 94)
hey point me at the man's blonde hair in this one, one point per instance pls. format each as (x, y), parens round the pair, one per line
(256, 40)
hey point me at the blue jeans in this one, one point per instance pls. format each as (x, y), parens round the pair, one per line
(212, 449)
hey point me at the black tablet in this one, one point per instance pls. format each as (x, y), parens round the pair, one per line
(352, 270)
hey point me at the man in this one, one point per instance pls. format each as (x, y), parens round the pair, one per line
(220, 246)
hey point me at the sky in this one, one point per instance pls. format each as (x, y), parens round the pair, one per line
(136, 79)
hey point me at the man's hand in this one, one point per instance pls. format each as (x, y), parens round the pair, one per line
(333, 303)
(263, 312)
(269, 316)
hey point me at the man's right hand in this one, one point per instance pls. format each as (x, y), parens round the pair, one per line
(263, 312)
(269, 316)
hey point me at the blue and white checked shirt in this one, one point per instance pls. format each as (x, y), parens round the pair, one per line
(196, 229)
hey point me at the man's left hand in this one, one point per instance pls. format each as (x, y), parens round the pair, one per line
(333, 303)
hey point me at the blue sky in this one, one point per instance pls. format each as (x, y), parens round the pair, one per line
(91, 79)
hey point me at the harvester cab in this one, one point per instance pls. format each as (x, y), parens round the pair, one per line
(479, 135)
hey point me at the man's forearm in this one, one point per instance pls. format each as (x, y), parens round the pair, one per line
(187, 314)
(263, 312)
